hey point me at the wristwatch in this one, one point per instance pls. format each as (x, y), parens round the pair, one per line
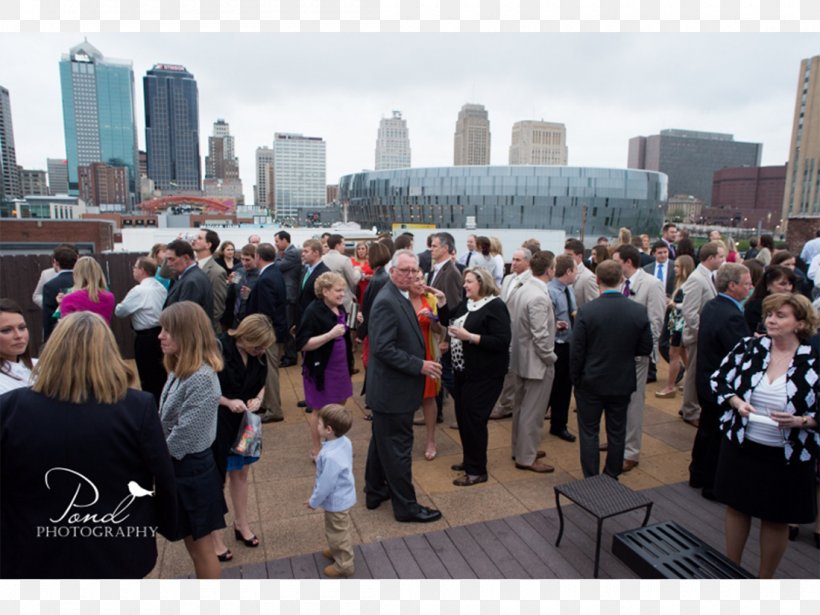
(805, 420)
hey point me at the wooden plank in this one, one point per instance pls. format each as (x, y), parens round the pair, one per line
(473, 554)
(377, 561)
(359, 560)
(254, 571)
(560, 567)
(524, 555)
(448, 554)
(497, 552)
(402, 560)
(426, 557)
(232, 573)
(304, 567)
(280, 569)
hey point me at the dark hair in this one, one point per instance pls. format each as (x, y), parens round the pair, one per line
(445, 239)
(610, 273)
(541, 261)
(212, 239)
(65, 256)
(266, 252)
(563, 263)
(576, 245)
(772, 274)
(767, 241)
(248, 250)
(403, 242)
(658, 245)
(708, 250)
(334, 240)
(685, 246)
(11, 307)
(629, 253)
(756, 268)
(378, 255)
(752, 242)
(337, 417)
(483, 244)
(387, 242)
(782, 257)
(667, 226)
(283, 235)
(180, 247)
(148, 265)
(430, 239)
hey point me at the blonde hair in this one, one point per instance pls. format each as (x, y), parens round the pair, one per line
(255, 331)
(495, 246)
(191, 329)
(328, 279)
(81, 359)
(803, 312)
(486, 283)
(89, 275)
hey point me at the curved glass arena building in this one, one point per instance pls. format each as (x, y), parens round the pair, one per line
(519, 196)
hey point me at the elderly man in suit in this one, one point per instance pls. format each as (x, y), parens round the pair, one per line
(395, 386)
(532, 360)
(191, 283)
(642, 288)
(697, 290)
(269, 297)
(722, 326)
(63, 260)
(336, 260)
(662, 268)
(585, 285)
(610, 332)
(289, 262)
(204, 245)
(519, 275)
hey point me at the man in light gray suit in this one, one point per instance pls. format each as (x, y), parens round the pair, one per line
(532, 357)
(205, 244)
(336, 260)
(585, 286)
(395, 386)
(697, 290)
(649, 292)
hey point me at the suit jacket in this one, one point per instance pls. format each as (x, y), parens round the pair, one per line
(697, 290)
(341, 264)
(63, 280)
(722, 327)
(290, 265)
(646, 259)
(533, 331)
(585, 286)
(395, 383)
(268, 297)
(425, 261)
(377, 282)
(669, 270)
(609, 333)
(519, 282)
(109, 445)
(195, 286)
(307, 292)
(449, 281)
(649, 292)
(219, 283)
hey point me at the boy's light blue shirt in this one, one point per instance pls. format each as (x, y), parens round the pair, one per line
(335, 489)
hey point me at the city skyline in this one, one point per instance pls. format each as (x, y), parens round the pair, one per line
(605, 89)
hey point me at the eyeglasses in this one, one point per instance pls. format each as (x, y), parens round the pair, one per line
(408, 270)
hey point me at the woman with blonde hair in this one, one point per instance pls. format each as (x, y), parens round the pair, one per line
(684, 266)
(89, 294)
(188, 409)
(624, 239)
(243, 386)
(498, 257)
(82, 432)
(360, 259)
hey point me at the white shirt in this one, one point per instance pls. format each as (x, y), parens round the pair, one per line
(813, 266)
(204, 261)
(665, 273)
(143, 303)
(14, 376)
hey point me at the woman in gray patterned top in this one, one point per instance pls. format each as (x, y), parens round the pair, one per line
(188, 408)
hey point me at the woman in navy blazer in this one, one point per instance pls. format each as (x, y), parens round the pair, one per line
(86, 475)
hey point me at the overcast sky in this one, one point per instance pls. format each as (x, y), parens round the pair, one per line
(605, 88)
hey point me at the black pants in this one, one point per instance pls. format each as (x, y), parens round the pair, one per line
(561, 390)
(289, 356)
(446, 383)
(148, 357)
(706, 449)
(388, 470)
(590, 408)
(474, 401)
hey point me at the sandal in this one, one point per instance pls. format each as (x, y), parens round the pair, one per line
(253, 541)
(225, 557)
(429, 455)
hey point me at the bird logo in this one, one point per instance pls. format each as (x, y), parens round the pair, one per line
(138, 491)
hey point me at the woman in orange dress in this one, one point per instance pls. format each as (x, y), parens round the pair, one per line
(428, 303)
(360, 260)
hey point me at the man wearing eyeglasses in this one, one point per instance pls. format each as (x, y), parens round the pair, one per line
(395, 386)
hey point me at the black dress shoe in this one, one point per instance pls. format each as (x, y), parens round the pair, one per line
(564, 435)
(301, 404)
(373, 503)
(424, 515)
(708, 494)
(468, 480)
(457, 467)
(794, 530)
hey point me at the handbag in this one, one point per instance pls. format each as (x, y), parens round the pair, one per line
(249, 438)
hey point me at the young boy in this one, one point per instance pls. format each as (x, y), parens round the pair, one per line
(335, 490)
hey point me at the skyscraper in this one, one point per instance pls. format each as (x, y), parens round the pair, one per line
(9, 175)
(57, 175)
(690, 158)
(538, 143)
(802, 193)
(393, 143)
(33, 182)
(262, 191)
(98, 112)
(103, 186)
(172, 128)
(221, 166)
(472, 137)
(299, 184)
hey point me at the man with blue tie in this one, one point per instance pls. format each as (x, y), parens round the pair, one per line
(662, 268)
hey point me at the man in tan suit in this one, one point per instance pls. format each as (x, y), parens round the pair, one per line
(532, 360)
(520, 274)
(649, 292)
(697, 290)
(585, 285)
(205, 244)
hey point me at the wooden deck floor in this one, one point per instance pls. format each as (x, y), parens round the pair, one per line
(523, 547)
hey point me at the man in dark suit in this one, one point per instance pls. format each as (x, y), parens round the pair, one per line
(63, 260)
(722, 326)
(395, 386)
(191, 284)
(426, 257)
(289, 262)
(662, 268)
(609, 333)
(268, 297)
(669, 235)
(313, 268)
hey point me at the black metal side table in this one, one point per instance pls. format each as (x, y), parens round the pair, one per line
(602, 497)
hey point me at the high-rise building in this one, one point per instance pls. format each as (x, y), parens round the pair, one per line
(98, 112)
(221, 165)
(172, 128)
(57, 175)
(472, 136)
(262, 191)
(393, 143)
(538, 143)
(33, 182)
(299, 183)
(690, 158)
(802, 192)
(9, 175)
(746, 197)
(103, 186)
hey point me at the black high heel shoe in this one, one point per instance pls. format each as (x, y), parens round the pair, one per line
(794, 530)
(252, 542)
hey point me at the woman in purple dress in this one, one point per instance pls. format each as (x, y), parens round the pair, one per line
(324, 339)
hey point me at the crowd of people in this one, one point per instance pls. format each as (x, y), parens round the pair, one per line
(214, 324)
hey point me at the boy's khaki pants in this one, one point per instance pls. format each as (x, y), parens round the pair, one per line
(337, 530)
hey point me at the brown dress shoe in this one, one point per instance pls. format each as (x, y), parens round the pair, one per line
(629, 464)
(602, 447)
(326, 552)
(538, 455)
(538, 466)
(334, 573)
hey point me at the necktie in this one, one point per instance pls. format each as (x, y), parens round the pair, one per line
(660, 271)
(467, 262)
(671, 250)
(626, 288)
(305, 277)
(570, 307)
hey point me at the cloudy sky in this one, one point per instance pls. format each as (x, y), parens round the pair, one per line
(605, 88)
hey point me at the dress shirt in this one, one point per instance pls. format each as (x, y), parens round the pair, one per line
(665, 272)
(558, 294)
(14, 376)
(810, 250)
(513, 283)
(308, 270)
(143, 303)
(335, 488)
(434, 271)
(733, 300)
(203, 262)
